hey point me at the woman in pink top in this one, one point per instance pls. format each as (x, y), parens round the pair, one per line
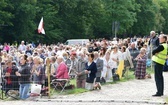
(6, 47)
(62, 70)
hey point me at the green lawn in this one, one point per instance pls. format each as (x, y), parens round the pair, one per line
(128, 76)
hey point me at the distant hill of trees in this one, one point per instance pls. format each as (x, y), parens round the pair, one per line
(67, 19)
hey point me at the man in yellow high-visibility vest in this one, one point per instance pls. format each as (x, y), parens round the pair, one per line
(159, 58)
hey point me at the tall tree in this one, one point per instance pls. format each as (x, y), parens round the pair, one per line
(5, 18)
(149, 18)
(122, 12)
(25, 13)
(164, 13)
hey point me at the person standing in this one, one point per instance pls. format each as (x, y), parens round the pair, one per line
(154, 40)
(153, 43)
(6, 47)
(159, 58)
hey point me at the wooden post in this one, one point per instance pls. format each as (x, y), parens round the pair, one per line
(48, 75)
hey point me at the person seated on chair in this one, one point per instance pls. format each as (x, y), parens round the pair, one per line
(62, 70)
(10, 76)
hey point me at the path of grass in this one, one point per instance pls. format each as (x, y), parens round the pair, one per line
(130, 76)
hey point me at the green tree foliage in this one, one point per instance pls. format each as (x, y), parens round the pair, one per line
(149, 18)
(5, 18)
(66, 19)
(5, 14)
(122, 11)
(164, 13)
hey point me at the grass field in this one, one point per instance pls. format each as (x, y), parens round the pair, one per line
(128, 76)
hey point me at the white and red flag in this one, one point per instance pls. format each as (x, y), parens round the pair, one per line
(41, 27)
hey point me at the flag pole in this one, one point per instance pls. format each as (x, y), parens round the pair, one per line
(151, 55)
(48, 75)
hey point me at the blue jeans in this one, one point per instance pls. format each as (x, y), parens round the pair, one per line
(23, 91)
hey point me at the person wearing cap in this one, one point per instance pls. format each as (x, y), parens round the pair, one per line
(159, 59)
(72, 68)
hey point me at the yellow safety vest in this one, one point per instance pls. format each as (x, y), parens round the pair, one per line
(161, 56)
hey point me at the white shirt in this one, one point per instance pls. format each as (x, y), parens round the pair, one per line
(108, 63)
(117, 56)
(22, 48)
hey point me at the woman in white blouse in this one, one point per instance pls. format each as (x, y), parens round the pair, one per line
(115, 56)
(107, 67)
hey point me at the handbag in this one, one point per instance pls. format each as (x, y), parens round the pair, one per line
(35, 88)
(116, 77)
(88, 80)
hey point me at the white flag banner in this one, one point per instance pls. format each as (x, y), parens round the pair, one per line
(41, 27)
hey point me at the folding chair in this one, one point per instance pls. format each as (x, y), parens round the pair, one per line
(62, 83)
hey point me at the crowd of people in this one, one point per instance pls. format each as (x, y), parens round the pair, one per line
(90, 64)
